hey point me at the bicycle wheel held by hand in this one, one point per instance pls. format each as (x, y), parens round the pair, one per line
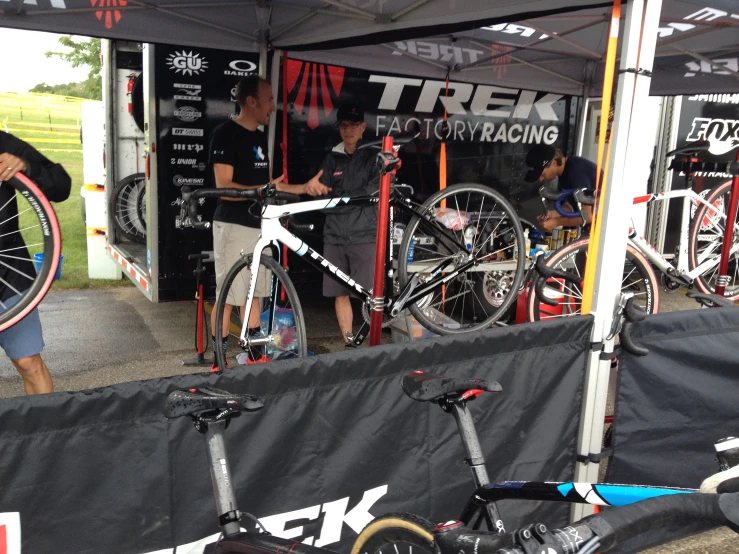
(26, 216)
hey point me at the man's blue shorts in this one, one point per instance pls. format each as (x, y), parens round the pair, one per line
(25, 338)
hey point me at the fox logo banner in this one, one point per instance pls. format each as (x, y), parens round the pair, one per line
(722, 133)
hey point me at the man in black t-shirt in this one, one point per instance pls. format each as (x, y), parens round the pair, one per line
(24, 341)
(574, 172)
(238, 154)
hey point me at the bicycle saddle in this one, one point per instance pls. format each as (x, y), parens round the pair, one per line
(690, 148)
(195, 402)
(424, 387)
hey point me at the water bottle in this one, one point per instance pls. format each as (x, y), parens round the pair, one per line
(469, 237)
(411, 248)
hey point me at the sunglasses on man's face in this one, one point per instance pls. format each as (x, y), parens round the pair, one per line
(345, 126)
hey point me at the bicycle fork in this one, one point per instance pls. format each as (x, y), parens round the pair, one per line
(475, 459)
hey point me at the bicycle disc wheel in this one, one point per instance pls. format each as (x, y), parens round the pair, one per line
(281, 313)
(397, 533)
(706, 239)
(126, 207)
(638, 277)
(485, 228)
(28, 226)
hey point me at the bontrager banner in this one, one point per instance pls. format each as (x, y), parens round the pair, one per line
(674, 403)
(336, 444)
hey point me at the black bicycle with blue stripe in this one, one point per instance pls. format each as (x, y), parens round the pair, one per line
(456, 269)
(403, 533)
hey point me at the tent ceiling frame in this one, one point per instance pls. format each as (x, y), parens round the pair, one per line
(419, 58)
(534, 65)
(351, 13)
(143, 6)
(558, 37)
(535, 43)
(707, 60)
(358, 11)
(405, 11)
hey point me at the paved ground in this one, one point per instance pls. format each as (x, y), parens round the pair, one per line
(96, 338)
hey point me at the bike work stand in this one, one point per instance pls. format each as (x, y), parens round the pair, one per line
(390, 162)
(201, 341)
(722, 279)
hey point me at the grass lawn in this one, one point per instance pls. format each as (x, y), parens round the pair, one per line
(53, 129)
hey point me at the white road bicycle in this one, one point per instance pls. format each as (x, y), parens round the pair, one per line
(462, 275)
(700, 242)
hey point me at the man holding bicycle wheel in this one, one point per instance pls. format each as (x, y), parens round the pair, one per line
(239, 156)
(24, 341)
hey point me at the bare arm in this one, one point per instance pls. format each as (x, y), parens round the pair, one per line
(224, 174)
(552, 219)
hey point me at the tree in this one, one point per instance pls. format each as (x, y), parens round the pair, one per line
(83, 53)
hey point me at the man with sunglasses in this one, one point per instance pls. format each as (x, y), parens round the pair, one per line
(350, 232)
(573, 172)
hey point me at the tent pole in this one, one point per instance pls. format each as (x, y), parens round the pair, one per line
(275, 82)
(631, 100)
(581, 119)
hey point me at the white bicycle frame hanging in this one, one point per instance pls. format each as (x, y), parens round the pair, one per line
(638, 242)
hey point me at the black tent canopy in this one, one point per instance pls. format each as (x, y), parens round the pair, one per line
(553, 45)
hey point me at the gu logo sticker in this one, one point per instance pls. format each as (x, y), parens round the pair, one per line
(722, 133)
(10, 533)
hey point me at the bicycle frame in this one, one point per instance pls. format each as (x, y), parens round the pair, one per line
(659, 261)
(274, 233)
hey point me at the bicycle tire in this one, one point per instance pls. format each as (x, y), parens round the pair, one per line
(124, 205)
(565, 258)
(291, 302)
(141, 207)
(474, 315)
(383, 535)
(50, 241)
(703, 224)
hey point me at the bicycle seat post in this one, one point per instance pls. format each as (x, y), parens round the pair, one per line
(220, 472)
(468, 433)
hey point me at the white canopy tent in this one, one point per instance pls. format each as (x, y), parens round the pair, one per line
(551, 45)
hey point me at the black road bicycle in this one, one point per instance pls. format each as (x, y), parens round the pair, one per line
(211, 411)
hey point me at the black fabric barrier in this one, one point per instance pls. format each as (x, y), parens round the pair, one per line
(674, 403)
(103, 471)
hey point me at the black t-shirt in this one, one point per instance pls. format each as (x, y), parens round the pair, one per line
(246, 152)
(578, 173)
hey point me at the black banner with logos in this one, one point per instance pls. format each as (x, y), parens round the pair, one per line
(490, 129)
(712, 117)
(337, 444)
(195, 91)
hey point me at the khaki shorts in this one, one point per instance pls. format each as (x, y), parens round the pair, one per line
(229, 240)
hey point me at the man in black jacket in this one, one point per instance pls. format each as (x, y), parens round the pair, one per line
(350, 232)
(24, 341)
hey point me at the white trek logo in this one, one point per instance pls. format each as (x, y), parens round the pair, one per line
(722, 133)
(335, 515)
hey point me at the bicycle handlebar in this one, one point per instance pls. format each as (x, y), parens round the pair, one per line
(608, 529)
(710, 300)
(632, 314)
(190, 198)
(546, 273)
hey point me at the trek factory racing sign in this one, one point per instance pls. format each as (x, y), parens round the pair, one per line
(194, 95)
(488, 130)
